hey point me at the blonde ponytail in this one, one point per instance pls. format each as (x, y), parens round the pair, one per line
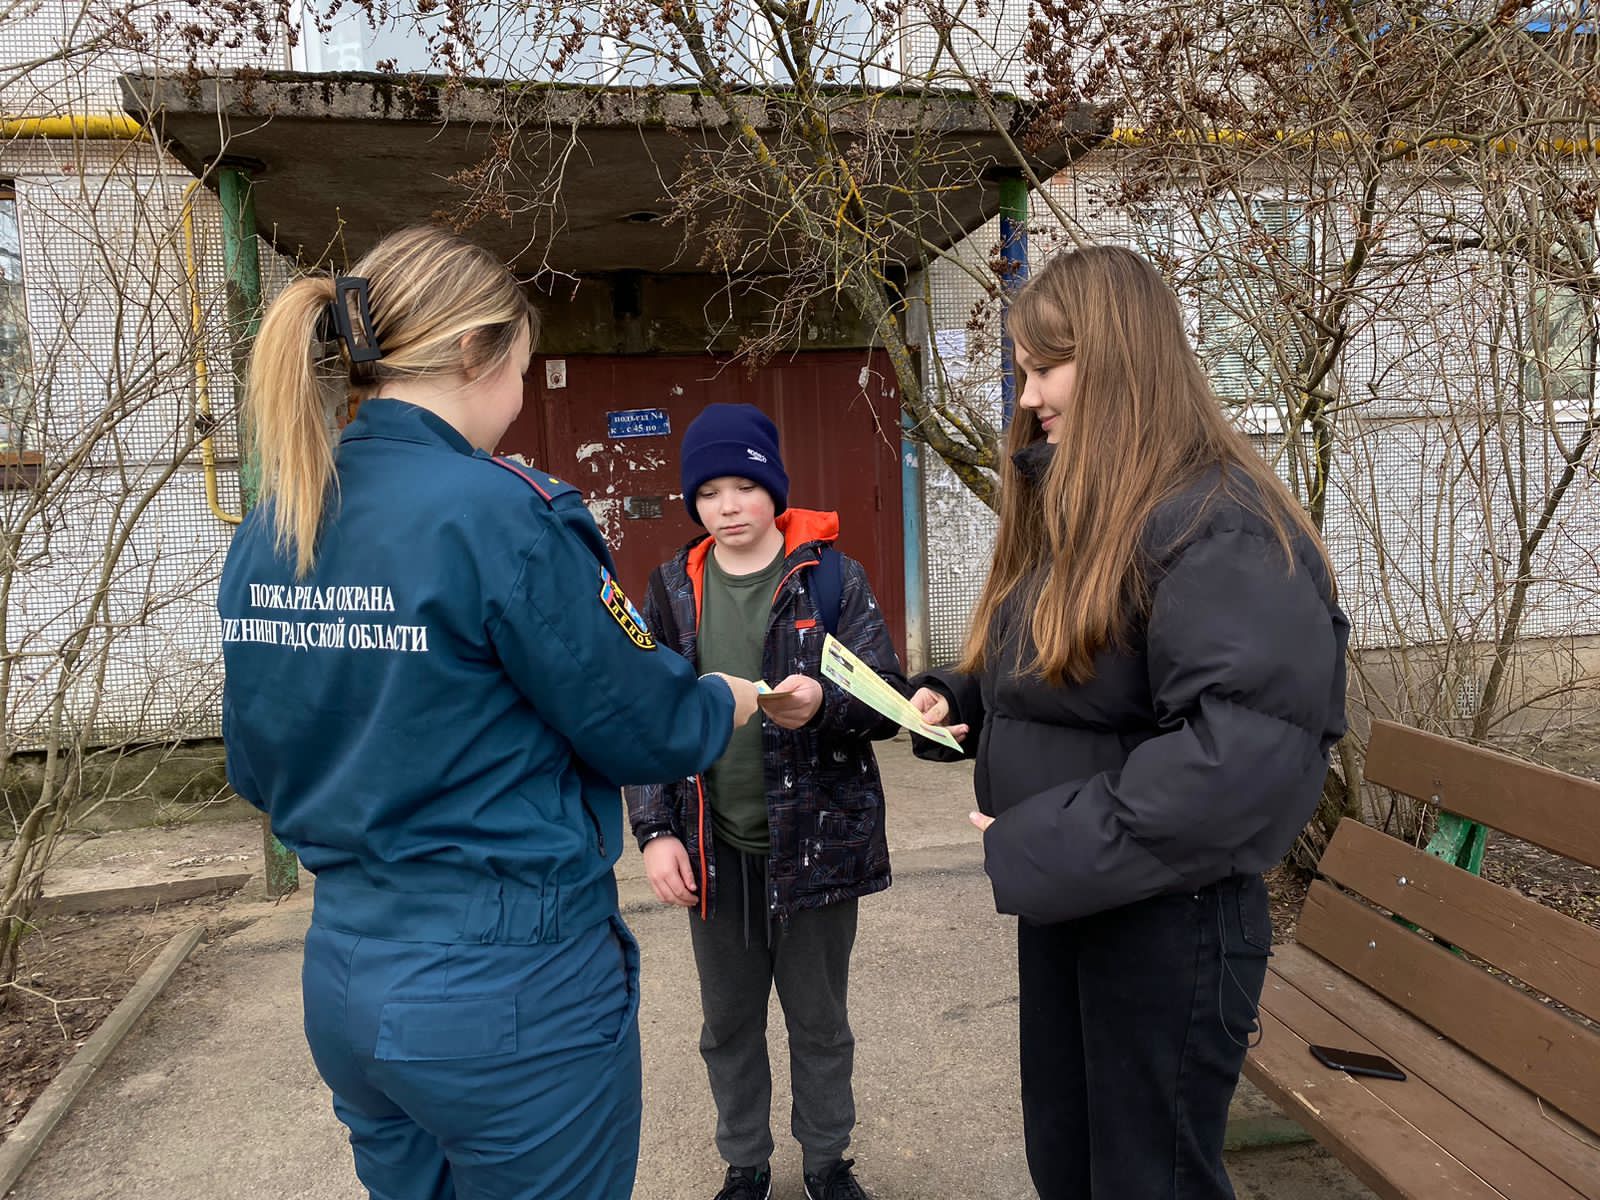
(287, 421)
(441, 305)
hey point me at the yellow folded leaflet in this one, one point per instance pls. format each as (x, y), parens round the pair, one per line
(867, 686)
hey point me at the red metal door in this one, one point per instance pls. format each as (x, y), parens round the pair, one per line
(837, 413)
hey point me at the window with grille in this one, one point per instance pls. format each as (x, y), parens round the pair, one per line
(1561, 355)
(1251, 254)
(18, 429)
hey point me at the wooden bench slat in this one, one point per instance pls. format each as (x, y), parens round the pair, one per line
(1378, 1145)
(1545, 949)
(1548, 808)
(1441, 1122)
(1546, 1052)
(1562, 1145)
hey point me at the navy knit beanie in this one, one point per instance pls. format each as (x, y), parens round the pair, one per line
(732, 439)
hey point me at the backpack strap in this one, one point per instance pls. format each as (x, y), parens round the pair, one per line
(666, 630)
(827, 588)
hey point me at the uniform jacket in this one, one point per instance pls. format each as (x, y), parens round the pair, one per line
(1197, 752)
(824, 798)
(439, 715)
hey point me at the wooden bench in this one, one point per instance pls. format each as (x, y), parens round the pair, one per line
(1502, 1097)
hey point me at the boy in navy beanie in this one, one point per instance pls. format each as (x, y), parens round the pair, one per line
(735, 440)
(759, 847)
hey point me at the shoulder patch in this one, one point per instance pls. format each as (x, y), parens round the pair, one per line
(624, 613)
(548, 486)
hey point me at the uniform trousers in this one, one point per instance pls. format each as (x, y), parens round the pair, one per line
(481, 1071)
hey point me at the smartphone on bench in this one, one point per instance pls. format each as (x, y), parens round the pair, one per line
(1354, 1062)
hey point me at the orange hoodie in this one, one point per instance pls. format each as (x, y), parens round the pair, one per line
(798, 525)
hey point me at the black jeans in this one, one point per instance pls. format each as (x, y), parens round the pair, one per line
(1134, 1026)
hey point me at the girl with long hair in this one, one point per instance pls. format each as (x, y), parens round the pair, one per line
(1152, 684)
(435, 688)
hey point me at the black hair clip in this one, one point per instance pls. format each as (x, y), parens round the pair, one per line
(349, 315)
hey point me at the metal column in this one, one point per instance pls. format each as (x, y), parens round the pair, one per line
(1014, 257)
(242, 267)
(242, 272)
(914, 540)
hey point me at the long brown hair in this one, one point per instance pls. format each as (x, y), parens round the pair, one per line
(1141, 425)
(441, 305)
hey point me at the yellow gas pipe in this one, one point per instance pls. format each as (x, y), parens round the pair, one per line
(111, 127)
(202, 367)
(117, 127)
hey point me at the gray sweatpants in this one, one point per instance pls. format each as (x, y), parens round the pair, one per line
(809, 959)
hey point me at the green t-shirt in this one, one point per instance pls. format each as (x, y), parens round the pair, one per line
(734, 610)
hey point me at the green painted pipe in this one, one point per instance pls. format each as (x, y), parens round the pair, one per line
(241, 259)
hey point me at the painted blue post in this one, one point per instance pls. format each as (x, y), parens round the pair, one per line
(914, 541)
(1014, 255)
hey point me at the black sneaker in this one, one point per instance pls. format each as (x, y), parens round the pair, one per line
(836, 1183)
(746, 1183)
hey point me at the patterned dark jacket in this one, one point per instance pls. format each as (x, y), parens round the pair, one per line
(824, 798)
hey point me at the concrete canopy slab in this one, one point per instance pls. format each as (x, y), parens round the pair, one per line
(340, 160)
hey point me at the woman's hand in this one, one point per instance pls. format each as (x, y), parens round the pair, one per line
(981, 821)
(935, 710)
(793, 702)
(744, 697)
(666, 866)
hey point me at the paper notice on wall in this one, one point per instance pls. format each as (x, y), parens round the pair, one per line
(867, 686)
(950, 345)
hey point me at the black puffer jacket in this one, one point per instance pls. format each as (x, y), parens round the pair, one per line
(1197, 753)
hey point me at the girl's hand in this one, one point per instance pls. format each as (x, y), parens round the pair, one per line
(793, 702)
(666, 866)
(935, 710)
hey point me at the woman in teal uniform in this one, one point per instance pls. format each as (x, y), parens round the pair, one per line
(435, 687)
